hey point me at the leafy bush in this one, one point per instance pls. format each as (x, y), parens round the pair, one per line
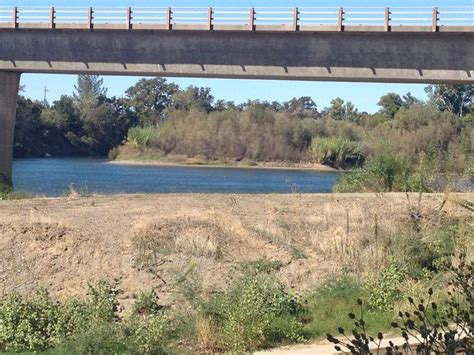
(336, 151)
(383, 174)
(147, 304)
(435, 328)
(255, 313)
(385, 289)
(39, 323)
(142, 137)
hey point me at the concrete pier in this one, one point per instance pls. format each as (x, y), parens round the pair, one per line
(9, 85)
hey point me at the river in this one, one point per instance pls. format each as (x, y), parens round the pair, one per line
(52, 176)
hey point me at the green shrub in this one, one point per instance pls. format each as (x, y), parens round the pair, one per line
(151, 335)
(383, 174)
(385, 289)
(337, 152)
(103, 340)
(329, 305)
(147, 304)
(103, 300)
(255, 313)
(5, 187)
(113, 153)
(427, 326)
(142, 137)
(419, 253)
(39, 323)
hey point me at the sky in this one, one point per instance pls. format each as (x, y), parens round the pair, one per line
(364, 95)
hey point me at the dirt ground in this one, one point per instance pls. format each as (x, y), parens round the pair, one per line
(206, 239)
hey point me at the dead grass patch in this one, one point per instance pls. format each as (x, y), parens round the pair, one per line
(199, 237)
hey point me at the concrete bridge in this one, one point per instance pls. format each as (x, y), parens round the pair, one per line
(420, 45)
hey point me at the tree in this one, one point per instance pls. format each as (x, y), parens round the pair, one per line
(457, 99)
(28, 131)
(339, 110)
(192, 98)
(89, 90)
(390, 104)
(301, 107)
(409, 100)
(148, 98)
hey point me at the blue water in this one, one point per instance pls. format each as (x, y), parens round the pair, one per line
(52, 176)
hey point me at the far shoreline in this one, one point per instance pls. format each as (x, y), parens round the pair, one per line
(259, 165)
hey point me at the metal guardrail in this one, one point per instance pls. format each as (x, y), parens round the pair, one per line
(238, 18)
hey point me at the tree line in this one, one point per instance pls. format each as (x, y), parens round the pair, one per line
(157, 119)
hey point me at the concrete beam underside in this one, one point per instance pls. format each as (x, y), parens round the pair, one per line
(9, 85)
(410, 57)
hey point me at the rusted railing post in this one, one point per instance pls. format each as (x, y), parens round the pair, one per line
(387, 19)
(129, 18)
(295, 19)
(90, 18)
(340, 20)
(209, 18)
(168, 18)
(52, 15)
(434, 26)
(252, 19)
(15, 17)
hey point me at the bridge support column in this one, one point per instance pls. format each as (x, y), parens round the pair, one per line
(9, 85)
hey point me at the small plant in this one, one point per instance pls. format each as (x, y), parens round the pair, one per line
(385, 289)
(5, 187)
(113, 153)
(262, 266)
(147, 304)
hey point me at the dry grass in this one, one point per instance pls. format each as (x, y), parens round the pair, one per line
(63, 243)
(198, 237)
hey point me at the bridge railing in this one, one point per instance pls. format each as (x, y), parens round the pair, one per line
(240, 18)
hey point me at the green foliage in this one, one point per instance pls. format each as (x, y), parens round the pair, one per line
(390, 104)
(149, 98)
(262, 266)
(113, 153)
(142, 137)
(329, 305)
(103, 300)
(384, 290)
(382, 174)
(5, 187)
(255, 313)
(457, 99)
(147, 303)
(337, 152)
(445, 328)
(340, 110)
(192, 98)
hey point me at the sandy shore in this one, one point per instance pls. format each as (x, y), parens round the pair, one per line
(260, 165)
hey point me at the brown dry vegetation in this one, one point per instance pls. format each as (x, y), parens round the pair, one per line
(201, 240)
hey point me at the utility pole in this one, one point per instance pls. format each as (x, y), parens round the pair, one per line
(45, 93)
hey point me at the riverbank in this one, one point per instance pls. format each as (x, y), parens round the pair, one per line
(193, 162)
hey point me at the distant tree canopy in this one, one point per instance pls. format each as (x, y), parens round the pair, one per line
(457, 99)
